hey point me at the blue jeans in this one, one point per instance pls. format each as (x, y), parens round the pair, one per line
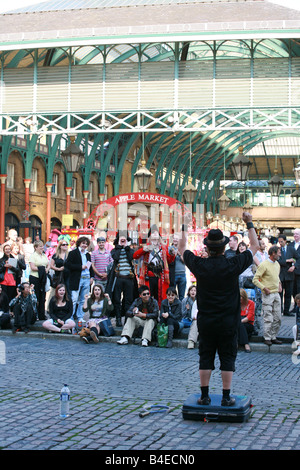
(180, 283)
(78, 297)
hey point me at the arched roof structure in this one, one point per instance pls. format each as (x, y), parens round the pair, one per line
(192, 80)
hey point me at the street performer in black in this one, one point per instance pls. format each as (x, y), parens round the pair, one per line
(219, 309)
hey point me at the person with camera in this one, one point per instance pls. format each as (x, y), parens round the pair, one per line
(24, 307)
(154, 269)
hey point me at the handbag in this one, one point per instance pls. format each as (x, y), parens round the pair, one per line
(106, 327)
(162, 335)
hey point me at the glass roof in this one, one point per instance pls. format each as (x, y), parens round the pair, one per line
(54, 5)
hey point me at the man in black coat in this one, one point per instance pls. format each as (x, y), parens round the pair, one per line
(296, 244)
(121, 282)
(81, 274)
(219, 306)
(287, 262)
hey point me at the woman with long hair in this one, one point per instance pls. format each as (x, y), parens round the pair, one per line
(8, 270)
(247, 320)
(97, 305)
(60, 311)
(39, 267)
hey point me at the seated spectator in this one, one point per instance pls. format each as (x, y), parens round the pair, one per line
(193, 332)
(171, 314)
(4, 310)
(97, 305)
(24, 307)
(143, 312)
(60, 312)
(247, 320)
(187, 305)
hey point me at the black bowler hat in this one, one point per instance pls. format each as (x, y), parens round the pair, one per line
(215, 239)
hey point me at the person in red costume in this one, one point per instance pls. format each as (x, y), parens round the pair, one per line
(154, 270)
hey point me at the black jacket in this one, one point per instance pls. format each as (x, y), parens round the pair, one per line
(174, 309)
(284, 266)
(151, 307)
(111, 275)
(74, 267)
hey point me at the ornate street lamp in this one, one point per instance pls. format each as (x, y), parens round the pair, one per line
(296, 197)
(189, 191)
(275, 184)
(297, 172)
(142, 177)
(72, 156)
(247, 207)
(224, 201)
(241, 166)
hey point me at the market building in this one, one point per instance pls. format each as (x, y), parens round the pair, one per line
(173, 98)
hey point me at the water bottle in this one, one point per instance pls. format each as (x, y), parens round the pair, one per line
(64, 401)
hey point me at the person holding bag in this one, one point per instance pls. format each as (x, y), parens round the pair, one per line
(39, 267)
(97, 305)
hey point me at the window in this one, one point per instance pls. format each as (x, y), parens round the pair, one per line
(33, 182)
(74, 187)
(54, 189)
(90, 196)
(10, 175)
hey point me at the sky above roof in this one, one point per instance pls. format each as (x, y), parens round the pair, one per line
(15, 4)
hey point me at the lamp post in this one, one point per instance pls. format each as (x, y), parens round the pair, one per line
(296, 196)
(275, 184)
(241, 166)
(189, 191)
(143, 176)
(72, 156)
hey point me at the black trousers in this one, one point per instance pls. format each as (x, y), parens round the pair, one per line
(245, 332)
(40, 296)
(23, 319)
(286, 295)
(123, 295)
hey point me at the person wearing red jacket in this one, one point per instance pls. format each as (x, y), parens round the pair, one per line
(247, 320)
(154, 270)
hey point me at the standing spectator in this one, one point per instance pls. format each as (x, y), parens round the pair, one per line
(219, 307)
(101, 258)
(79, 265)
(142, 313)
(233, 245)
(60, 274)
(39, 268)
(4, 310)
(21, 265)
(154, 269)
(121, 282)
(245, 279)
(27, 250)
(267, 279)
(24, 307)
(247, 321)
(178, 277)
(296, 288)
(261, 255)
(287, 262)
(171, 314)
(8, 270)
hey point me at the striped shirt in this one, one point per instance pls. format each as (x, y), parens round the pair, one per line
(124, 266)
(101, 259)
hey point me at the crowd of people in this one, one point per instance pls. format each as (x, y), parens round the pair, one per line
(88, 284)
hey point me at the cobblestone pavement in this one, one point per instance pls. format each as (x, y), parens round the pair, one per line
(110, 384)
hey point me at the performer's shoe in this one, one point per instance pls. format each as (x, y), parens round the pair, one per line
(228, 401)
(276, 341)
(204, 401)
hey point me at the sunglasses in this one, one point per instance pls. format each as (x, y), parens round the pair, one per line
(145, 293)
(64, 244)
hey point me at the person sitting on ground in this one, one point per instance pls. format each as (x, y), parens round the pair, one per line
(4, 310)
(193, 331)
(171, 314)
(96, 307)
(60, 312)
(247, 320)
(24, 307)
(187, 305)
(143, 312)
